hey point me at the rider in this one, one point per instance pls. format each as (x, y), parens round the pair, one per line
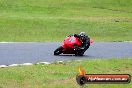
(85, 42)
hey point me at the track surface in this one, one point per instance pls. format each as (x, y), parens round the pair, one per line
(18, 53)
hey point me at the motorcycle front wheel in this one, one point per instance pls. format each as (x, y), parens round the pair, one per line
(58, 50)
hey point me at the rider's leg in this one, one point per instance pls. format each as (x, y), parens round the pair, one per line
(83, 50)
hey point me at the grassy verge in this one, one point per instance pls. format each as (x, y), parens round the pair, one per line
(52, 20)
(62, 75)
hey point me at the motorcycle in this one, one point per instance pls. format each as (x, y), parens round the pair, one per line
(70, 46)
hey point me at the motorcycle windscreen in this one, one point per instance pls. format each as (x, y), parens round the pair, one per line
(71, 41)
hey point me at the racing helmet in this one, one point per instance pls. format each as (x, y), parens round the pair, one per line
(82, 35)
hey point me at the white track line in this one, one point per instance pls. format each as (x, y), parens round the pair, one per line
(43, 63)
(27, 64)
(12, 65)
(3, 66)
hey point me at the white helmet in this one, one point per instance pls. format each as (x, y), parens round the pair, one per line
(82, 34)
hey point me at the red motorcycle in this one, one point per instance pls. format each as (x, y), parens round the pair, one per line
(69, 46)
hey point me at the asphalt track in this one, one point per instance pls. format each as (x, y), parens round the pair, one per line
(33, 52)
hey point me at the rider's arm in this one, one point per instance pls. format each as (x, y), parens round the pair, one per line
(70, 35)
(75, 35)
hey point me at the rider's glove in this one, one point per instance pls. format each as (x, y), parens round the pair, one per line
(76, 48)
(82, 48)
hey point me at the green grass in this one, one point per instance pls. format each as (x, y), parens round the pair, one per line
(52, 20)
(62, 75)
